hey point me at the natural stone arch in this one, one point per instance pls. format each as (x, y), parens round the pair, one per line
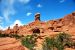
(36, 30)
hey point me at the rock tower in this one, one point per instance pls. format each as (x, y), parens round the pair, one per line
(37, 17)
(73, 13)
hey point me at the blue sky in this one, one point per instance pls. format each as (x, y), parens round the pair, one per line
(23, 11)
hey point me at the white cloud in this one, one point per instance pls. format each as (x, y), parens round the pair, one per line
(11, 2)
(1, 20)
(24, 1)
(3, 28)
(29, 13)
(12, 25)
(61, 1)
(39, 5)
(6, 15)
(16, 22)
(9, 10)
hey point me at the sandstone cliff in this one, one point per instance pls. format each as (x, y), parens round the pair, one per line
(59, 25)
(49, 28)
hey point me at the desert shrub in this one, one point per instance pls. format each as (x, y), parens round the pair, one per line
(29, 42)
(11, 35)
(48, 44)
(15, 36)
(61, 39)
(73, 45)
(59, 42)
(4, 35)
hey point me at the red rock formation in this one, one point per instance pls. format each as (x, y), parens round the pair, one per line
(65, 24)
(59, 25)
(15, 28)
(37, 17)
(50, 28)
(8, 31)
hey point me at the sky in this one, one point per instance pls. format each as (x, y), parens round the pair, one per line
(22, 12)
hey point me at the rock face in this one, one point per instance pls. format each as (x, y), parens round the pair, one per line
(49, 28)
(65, 24)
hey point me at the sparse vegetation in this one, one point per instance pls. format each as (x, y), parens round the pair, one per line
(15, 36)
(29, 42)
(48, 44)
(60, 41)
(11, 35)
(4, 35)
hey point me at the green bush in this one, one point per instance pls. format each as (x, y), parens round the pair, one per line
(48, 44)
(58, 42)
(4, 35)
(11, 35)
(61, 40)
(29, 42)
(15, 36)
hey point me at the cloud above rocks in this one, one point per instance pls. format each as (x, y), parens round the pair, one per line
(24, 1)
(16, 22)
(8, 9)
(39, 5)
(61, 1)
(28, 14)
(11, 25)
(1, 20)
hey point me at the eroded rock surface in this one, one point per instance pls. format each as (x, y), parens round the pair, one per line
(10, 44)
(49, 28)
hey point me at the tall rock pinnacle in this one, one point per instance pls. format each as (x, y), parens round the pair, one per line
(73, 13)
(37, 17)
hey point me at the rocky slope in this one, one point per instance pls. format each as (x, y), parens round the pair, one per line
(10, 44)
(49, 28)
(65, 24)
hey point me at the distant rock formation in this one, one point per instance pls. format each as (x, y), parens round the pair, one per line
(49, 28)
(65, 24)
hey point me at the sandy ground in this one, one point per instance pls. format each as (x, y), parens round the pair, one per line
(10, 44)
